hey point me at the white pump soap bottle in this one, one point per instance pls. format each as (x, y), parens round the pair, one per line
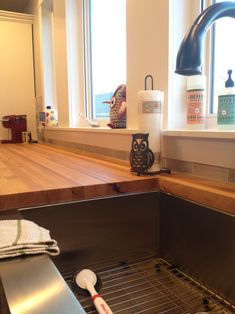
(196, 102)
(226, 105)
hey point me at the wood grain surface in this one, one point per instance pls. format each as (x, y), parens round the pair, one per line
(39, 174)
(213, 194)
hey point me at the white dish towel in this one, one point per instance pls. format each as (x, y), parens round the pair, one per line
(20, 237)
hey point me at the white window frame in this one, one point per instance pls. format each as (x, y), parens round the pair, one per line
(77, 21)
(174, 109)
(88, 102)
(207, 62)
(87, 69)
(86, 58)
(178, 86)
(48, 66)
(209, 70)
(208, 65)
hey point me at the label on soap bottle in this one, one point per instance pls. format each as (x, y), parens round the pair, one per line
(226, 110)
(196, 107)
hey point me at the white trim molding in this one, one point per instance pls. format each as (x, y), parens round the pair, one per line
(17, 17)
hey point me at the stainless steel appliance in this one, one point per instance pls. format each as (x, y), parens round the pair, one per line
(34, 285)
(154, 253)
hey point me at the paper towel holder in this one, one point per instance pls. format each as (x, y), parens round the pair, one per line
(142, 157)
(146, 79)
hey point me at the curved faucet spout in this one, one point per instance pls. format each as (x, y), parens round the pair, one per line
(189, 58)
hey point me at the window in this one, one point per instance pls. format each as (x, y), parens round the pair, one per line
(87, 39)
(106, 53)
(222, 56)
(47, 54)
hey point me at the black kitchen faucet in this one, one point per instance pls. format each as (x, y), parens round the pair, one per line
(190, 54)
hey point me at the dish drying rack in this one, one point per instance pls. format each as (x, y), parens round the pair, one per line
(151, 286)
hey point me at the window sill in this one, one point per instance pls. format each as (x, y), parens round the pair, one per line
(106, 130)
(215, 134)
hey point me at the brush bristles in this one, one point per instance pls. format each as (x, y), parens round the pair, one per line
(78, 290)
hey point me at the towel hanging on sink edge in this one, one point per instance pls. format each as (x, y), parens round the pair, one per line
(23, 237)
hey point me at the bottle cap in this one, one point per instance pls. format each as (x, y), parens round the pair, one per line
(229, 82)
(196, 82)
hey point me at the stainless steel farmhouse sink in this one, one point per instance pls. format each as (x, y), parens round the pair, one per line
(154, 253)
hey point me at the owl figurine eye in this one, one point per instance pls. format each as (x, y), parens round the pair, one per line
(113, 101)
(143, 146)
(135, 145)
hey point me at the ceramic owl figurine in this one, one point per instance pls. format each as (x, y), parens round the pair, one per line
(117, 112)
(141, 156)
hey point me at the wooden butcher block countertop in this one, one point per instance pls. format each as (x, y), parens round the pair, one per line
(39, 174)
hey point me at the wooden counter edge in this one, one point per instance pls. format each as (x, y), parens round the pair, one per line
(213, 194)
(76, 193)
(217, 195)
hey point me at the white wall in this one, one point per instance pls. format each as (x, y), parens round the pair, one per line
(75, 61)
(60, 55)
(48, 58)
(17, 73)
(147, 50)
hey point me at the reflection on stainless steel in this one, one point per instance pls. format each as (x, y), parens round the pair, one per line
(33, 285)
(33, 301)
(101, 228)
(200, 241)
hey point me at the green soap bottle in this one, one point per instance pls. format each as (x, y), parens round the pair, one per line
(226, 105)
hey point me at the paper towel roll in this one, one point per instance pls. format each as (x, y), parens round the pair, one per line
(150, 104)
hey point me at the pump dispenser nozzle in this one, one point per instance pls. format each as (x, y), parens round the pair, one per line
(229, 82)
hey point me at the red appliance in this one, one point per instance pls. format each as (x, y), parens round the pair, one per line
(17, 124)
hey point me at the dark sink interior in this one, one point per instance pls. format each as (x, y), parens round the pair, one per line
(197, 240)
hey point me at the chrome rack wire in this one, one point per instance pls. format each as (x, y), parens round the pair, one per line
(152, 286)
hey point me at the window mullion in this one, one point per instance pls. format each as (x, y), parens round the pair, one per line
(87, 59)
